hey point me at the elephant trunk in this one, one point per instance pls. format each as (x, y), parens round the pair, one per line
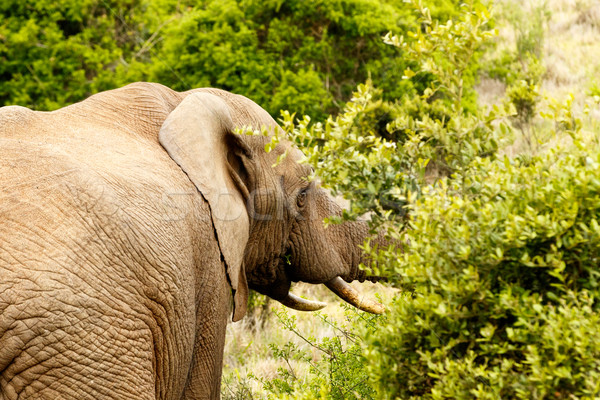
(337, 258)
(350, 236)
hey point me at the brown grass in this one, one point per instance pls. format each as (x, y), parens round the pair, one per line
(247, 344)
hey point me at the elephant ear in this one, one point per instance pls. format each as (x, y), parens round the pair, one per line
(198, 135)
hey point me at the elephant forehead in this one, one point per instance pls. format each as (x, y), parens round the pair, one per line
(292, 164)
(295, 154)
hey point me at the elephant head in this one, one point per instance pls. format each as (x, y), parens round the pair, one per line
(268, 216)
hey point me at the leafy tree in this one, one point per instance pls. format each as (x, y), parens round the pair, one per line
(377, 152)
(306, 56)
(53, 53)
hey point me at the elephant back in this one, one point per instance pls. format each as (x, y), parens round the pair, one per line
(14, 119)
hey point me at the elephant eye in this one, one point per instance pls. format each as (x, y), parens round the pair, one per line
(301, 199)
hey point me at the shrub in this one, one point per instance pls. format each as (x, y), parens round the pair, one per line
(501, 252)
(53, 53)
(338, 370)
(302, 55)
(376, 153)
(502, 261)
(306, 56)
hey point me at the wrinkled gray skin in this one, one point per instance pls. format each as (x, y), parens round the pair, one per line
(117, 276)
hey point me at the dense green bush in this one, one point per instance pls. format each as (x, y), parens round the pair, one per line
(283, 54)
(55, 52)
(504, 261)
(305, 56)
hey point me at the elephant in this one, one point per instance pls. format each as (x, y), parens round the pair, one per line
(133, 225)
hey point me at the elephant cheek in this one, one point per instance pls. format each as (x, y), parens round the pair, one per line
(277, 290)
(319, 267)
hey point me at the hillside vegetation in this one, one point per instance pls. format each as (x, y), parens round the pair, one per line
(497, 198)
(466, 129)
(304, 56)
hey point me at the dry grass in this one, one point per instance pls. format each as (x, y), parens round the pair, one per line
(570, 56)
(247, 344)
(571, 53)
(490, 91)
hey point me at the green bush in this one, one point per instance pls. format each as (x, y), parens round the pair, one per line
(501, 252)
(377, 153)
(504, 262)
(502, 256)
(53, 53)
(524, 97)
(306, 56)
(337, 372)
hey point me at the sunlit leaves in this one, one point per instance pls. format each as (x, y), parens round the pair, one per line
(445, 50)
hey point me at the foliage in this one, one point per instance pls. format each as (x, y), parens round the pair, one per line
(306, 56)
(339, 371)
(530, 28)
(524, 96)
(502, 265)
(53, 53)
(445, 52)
(502, 252)
(377, 152)
(236, 388)
(594, 90)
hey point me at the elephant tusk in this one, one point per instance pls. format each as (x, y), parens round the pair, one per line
(348, 294)
(300, 304)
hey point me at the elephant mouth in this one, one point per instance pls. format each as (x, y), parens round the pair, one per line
(342, 289)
